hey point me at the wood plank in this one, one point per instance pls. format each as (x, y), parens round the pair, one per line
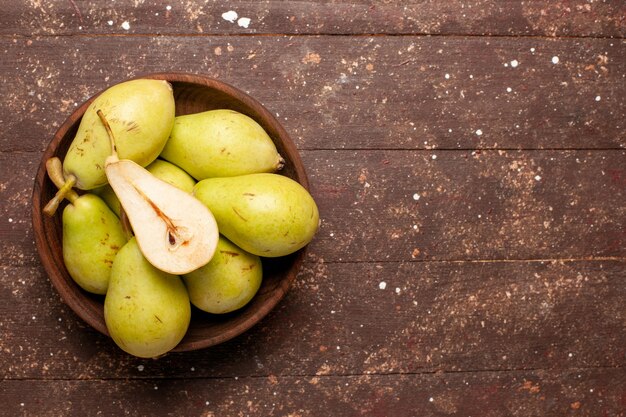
(492, 17)
(348, 93)
(17, 175)
(406, 205)
(355, 319)
(591, 392)
(452, 205)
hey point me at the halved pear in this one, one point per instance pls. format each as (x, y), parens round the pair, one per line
(175, 232)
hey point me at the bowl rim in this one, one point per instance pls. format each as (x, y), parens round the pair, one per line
(76, 298)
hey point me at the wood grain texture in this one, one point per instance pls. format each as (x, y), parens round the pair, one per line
(355, 319)
(588, 392)
(348, 93)
(476, 17)
(457, 205)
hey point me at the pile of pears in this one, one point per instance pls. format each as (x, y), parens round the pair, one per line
(165, 212)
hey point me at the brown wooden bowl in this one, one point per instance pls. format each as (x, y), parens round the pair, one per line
(192, 93)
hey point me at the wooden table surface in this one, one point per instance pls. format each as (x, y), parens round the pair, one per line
(469, 162)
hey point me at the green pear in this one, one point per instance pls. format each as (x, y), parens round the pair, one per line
(107, 194)
(220, 143)
(265, 214)
(146, 311)
(164, 170)
(173, 174)
(228, 282)
(92, 236)
(141, 114)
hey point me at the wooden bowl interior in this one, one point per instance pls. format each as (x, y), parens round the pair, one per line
(192, 94)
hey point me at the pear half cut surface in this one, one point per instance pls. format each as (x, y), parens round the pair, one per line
(175, 232)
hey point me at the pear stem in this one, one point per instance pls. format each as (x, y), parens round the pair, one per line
(280, 164)
(53, 204)
(54, 168)
(107, 126)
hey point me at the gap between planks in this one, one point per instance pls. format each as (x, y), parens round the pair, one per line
(311, 35)
(25, 152)
(555, 149)
(437, 373)
(482, 261)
